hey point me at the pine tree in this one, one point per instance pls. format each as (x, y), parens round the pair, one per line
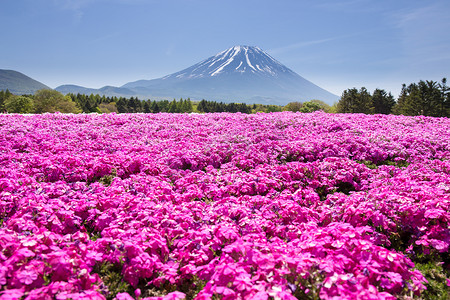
(354, 101)
(382, 102)
(4, 95)
(423, 98)
(404, 106)
(202, 106)
(164, 105)
(189, 106)
(155, 107)
(173, 107)
(146, 107)
(444, 105)
(122, 105)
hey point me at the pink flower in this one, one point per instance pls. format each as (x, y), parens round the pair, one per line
(3, 271)
(170, 296)
(12, 294)
(434, 213)
(226, 292)
(261, 296)
(174, 296)
(124, 296)
(95, 256)
(24, 253)
(27, 276)
(439, 245)
(29, 243)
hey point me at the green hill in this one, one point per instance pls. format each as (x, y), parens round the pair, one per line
(18, 83)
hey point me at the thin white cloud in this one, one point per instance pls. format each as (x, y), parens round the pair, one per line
(107, 37)
(75, 6)
(349, 5)
(134, 1)
(304, 44)
(424, 33)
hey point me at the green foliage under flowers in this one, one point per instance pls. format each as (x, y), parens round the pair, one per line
(437, 288)
(107, 179)
(387, 162)
(114, 283)
(112, 280)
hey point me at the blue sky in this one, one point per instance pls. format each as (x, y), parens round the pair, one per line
(335, 44)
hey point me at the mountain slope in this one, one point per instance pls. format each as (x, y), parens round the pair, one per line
(106, 90)
(18, 83)
(239, 74)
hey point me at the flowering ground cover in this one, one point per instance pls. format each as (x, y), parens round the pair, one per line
(224, 206)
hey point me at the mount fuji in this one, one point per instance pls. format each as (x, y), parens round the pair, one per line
(240, 74)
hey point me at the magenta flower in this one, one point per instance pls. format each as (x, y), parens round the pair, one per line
(27, 276)
(124, 296)
(11, 294)
(3, 272)
(224, 291)
(434, 213)
(260, 296)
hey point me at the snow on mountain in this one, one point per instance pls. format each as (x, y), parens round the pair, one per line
(234, 60)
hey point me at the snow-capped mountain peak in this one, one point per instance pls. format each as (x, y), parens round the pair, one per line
(238, 59)
(241, 74)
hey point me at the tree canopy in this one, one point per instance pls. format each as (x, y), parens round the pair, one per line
(382, 102)
(314, 105)
(46, 100)
(293, 106)
(361, 101)
(19, 104)
(355, 101)
(428, 98)
(4, 95)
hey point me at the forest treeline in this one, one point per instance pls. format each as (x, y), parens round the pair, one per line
(53, 101)
(103, 104)
(429, 98)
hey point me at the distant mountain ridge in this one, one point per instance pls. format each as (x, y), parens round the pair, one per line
(106, 90)
(18, 83)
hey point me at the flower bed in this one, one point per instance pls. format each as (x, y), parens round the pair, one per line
(232, 206)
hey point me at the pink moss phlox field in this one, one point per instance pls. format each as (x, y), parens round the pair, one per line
(233, 206)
